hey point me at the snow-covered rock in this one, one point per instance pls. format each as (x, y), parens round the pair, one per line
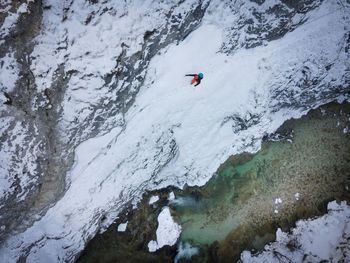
(314, 240)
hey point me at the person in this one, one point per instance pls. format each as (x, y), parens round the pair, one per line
(197, 78)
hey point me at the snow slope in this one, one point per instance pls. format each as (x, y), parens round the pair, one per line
(176, 134)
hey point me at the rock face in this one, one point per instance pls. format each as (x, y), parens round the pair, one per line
(72, 70)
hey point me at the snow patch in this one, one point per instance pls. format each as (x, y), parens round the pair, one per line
(167, 233)
(153, 199)
(122, 227)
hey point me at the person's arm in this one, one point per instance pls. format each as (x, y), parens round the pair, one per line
(198, 81)
(192, 75)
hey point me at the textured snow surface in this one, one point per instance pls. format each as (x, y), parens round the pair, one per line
(168, 231)
(174, 133)
(314, 240)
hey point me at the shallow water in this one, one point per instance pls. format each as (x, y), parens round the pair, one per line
(237, 208)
